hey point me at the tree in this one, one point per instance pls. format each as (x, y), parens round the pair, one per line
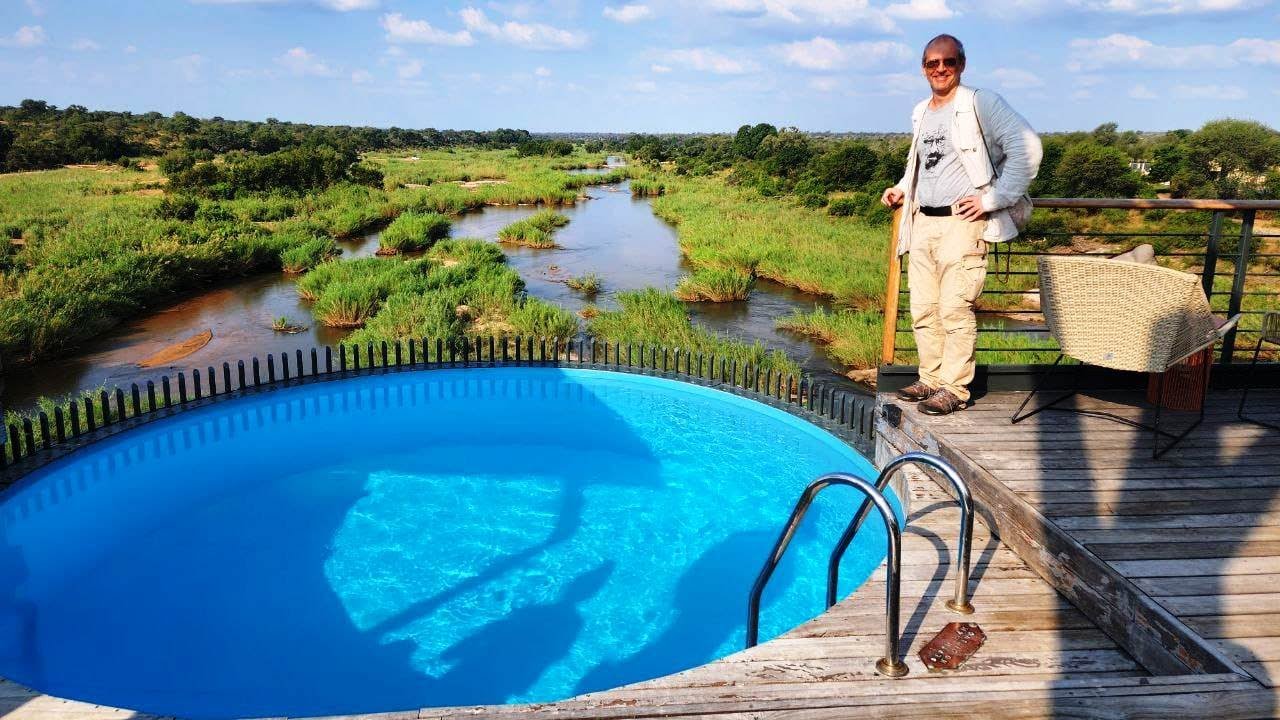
(786, 153)
(847, 166)
(1045, 184)
(1091, 170)
(1106, 134)
(1225, 146)
(747, 142)
(1166, 161)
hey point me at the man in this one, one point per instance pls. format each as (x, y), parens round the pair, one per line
(971, 160)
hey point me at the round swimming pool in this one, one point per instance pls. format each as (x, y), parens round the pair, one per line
(444, 537)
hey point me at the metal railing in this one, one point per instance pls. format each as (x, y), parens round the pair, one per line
(42, 436)
(891, 665)
(960, 603)
(1249, 285)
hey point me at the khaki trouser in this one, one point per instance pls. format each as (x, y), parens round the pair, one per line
(946, 270)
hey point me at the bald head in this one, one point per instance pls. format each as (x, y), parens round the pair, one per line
(942, 43)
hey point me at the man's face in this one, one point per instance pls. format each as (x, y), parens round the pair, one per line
(943, 67)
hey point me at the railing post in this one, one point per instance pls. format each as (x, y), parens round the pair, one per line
(1237, 286)
(1211, 254)
(889, 340)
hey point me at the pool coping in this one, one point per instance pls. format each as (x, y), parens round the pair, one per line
(820, 404)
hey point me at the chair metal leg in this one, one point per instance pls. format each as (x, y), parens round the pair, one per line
(1018, 415)
(1244, 397)
(1156, 450)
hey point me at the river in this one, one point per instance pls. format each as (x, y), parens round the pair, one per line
(610, 234)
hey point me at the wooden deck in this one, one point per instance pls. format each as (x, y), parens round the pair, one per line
(1180, 553)
(1112, 586)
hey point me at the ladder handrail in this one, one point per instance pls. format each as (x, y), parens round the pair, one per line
(891, 664)
(960, 603)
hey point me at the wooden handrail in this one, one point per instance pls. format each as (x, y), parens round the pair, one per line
(1155, 204)
(889, 339)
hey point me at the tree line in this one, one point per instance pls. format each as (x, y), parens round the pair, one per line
(35, 135)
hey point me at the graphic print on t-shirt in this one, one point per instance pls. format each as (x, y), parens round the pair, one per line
(935, 143)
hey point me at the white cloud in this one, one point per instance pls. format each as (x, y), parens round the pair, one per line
(644, 86)
(1015, 79)
(300, 61)
(628, 13)
(190, 67)
(85, 45)
(1255, 51)
(336, 5)
(708, 60)
(660, 68)
(401, 29)
(1209, 92)
(534, 36)
(824, 84)
(361, 77)
(25, 36)
(838, 13)
(823, 53)
(1165, 7)
(541, 71)
(35, 8)
(1142, 92)
(409, 70)
(1119, 50)
(130, 49)
(920, 10)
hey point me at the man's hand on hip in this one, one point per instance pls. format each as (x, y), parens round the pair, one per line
(970, 208)
(892, 197)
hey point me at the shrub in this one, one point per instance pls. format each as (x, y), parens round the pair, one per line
(177, 207)
(714, 285)
(302, 258)
(413, 231)
(588, 284)
(535, 230)
(842, 207)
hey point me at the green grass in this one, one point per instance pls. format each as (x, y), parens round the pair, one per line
(648, 187)
(413, 231)
(714, 285)
(655, 318)
(589, 284)
(301, 258)
(538, 318)
(851, 337)
(534, 231)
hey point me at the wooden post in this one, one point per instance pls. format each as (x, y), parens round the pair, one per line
(889, 340)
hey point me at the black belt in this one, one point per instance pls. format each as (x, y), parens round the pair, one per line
(944, 211)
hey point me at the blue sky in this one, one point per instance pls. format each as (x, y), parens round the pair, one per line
(642, 65)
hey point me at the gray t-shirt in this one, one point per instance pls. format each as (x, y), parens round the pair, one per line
(942, 179)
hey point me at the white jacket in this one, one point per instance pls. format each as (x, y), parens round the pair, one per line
(1011, 145)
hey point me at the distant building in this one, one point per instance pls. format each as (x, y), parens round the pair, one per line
(1142, 166)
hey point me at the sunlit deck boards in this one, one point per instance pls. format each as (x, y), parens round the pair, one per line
(1197, 532)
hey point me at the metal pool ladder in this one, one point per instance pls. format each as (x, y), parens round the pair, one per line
(891, 664)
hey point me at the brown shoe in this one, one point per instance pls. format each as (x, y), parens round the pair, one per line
(942, 402)
(916, 391)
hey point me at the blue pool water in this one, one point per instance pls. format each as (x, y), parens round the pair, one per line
(440, 537)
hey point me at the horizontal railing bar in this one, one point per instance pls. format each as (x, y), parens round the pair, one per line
(1154, 204)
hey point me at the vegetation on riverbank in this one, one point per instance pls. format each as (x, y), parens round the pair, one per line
(589, 284)
(655, 318)
(413, 230)
(714, 285)
(535, 230)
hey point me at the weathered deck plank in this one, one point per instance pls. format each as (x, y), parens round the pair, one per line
(1196, 533)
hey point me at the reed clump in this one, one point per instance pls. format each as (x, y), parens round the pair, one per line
(589, 284)
(714, 285)
(413, 231)
(851, 337)
(534, 231)
(301, 258)
(648, 187)
(653, 317)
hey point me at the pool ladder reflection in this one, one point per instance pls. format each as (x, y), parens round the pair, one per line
(891, 664)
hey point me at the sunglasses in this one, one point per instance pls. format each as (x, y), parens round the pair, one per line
(949, 62)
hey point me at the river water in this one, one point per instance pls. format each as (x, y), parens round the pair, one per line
(610, 234)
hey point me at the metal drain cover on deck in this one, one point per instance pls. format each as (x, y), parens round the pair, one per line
(950, 648)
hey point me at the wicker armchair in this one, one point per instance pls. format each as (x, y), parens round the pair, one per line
(1124, 316)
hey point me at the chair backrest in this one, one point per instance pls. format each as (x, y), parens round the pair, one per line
(1123, 315)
